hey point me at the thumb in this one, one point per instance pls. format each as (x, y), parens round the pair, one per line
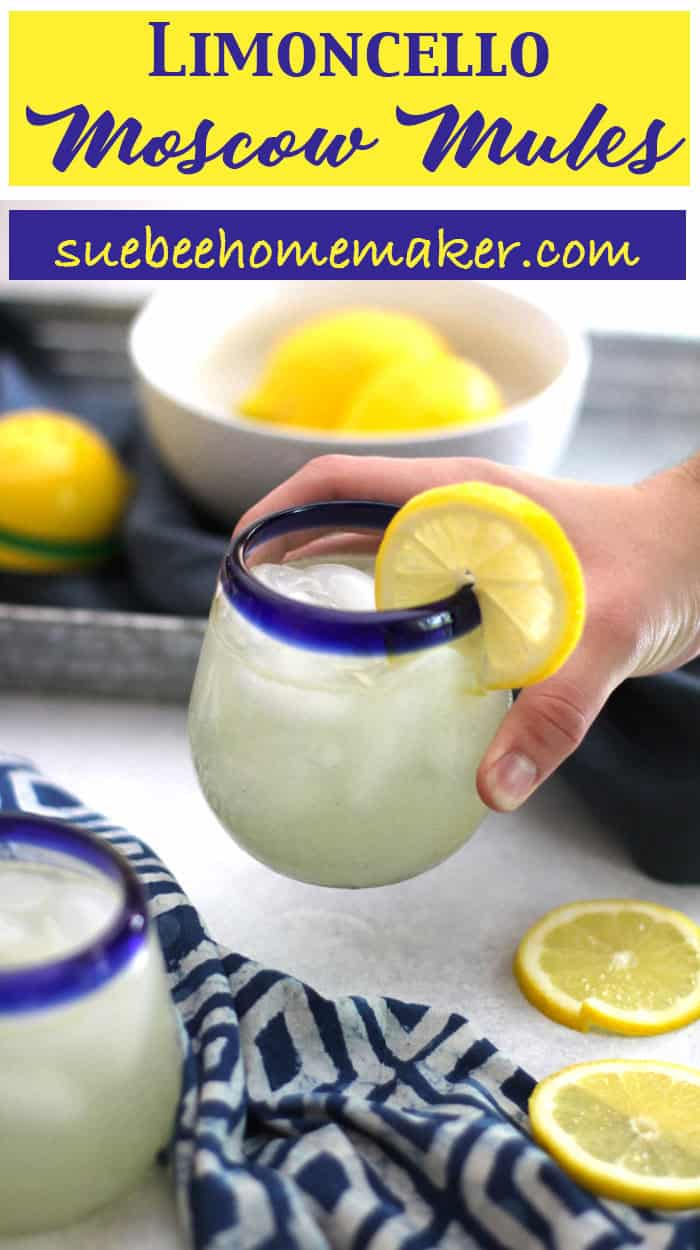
(546, 723)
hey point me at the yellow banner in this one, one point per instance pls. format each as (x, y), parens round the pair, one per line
(349, 99)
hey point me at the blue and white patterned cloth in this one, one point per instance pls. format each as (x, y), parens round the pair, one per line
(363, 1124)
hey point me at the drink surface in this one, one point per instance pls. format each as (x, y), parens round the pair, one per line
(328, 584)
(47, 911)
(373, 759)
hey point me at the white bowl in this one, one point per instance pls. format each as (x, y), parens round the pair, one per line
(198, 347)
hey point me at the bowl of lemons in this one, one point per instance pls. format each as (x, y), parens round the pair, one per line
(242, 383)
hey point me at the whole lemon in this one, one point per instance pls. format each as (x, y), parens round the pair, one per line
(315, 372)
(62, 492)
(415, 395)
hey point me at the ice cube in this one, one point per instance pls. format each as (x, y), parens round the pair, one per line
(23, 887)
(87, 910)
(347, 589)
(326, 584)
(290, 580)
(11, 934)
(60, 909)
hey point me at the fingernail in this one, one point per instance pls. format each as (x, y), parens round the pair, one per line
(511, 779)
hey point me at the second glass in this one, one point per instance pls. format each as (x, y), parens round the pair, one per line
(90, 1057)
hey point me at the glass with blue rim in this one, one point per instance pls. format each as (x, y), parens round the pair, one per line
(337, 744)
(90, 1057)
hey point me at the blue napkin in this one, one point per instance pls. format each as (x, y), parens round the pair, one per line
(308, 1123)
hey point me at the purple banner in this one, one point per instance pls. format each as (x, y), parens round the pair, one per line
(200, 244)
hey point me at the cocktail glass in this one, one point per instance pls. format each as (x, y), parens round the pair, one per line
(90, 1059)
(337, 744)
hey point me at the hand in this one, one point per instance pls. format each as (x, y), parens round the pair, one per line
(640, 551)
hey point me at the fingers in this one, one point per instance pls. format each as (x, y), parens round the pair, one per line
(546, 723)
(384, 478)
(341, 477)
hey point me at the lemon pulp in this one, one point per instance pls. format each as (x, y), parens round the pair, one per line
(625, 1128)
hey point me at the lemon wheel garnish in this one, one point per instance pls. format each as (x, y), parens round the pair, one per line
(525, 573)
(624, 1128)
(616, 964)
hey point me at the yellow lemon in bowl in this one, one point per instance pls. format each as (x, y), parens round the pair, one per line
(418, 394)
(315, 372)
(63, 491)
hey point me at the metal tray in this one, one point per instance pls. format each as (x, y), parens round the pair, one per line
(119, 654)
(640, 413)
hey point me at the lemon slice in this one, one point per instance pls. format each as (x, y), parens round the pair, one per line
(420, 394)
(315, 371)
(625, 1128)
(616, 964)
(524, 570)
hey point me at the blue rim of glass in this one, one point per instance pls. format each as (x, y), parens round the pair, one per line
(329, 629)
(36, 986)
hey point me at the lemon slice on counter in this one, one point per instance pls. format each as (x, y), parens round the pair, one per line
(62, 492)
(314, 372)
(421, 394)
(617, 964)
(624, 1128)
(522, 566)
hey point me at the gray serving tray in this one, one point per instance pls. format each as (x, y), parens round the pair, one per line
(117, 654)
(641, 412)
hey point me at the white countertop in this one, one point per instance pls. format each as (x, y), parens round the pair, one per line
(447, 937)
